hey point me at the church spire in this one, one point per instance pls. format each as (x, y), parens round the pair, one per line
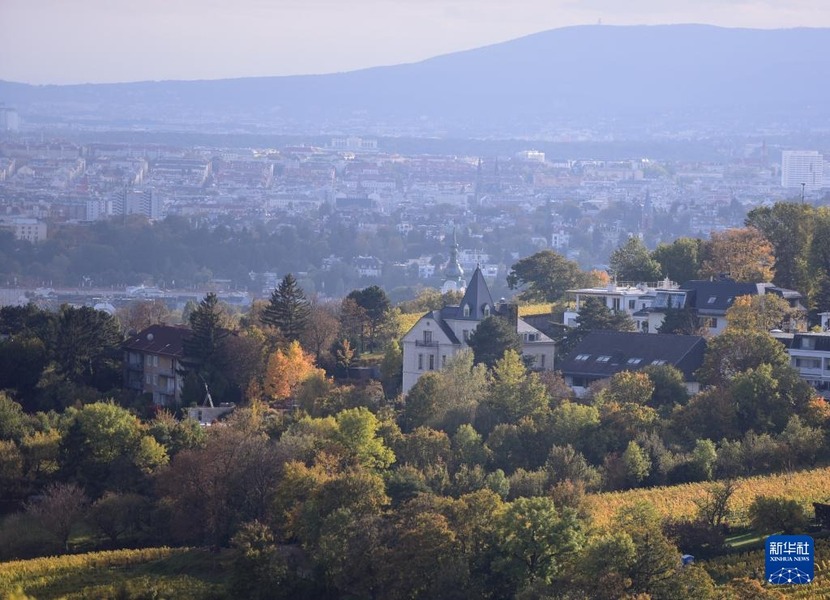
(453, 274)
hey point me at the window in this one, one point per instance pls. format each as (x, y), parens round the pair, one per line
(658, 361)
(808, 363)
(808, 343)
(431, 362)
(632, 304)
(582, 357)
(615, 303)
(603, 358)
(542, 361)
(712, 299)
(486, 309)
(466, 333)
(427, 337)
(634, 361)
(420, 362)
(466, 310)
(443, 360)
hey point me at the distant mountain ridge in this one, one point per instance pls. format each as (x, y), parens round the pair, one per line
(583, 74)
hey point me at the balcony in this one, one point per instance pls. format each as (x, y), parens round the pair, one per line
(426, 344)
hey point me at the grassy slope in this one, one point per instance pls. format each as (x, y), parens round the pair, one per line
(679, 501)
(181, 573)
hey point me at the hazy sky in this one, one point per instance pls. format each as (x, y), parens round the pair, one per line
(74, 41)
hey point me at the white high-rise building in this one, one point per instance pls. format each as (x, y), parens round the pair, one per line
(802, 166)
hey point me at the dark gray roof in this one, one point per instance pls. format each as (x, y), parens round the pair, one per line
(438, 316)
(476, 297)
(718, 295)
(158, 339)
(604, 353)
(546, 324)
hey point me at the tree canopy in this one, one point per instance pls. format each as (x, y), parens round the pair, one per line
(545, 276)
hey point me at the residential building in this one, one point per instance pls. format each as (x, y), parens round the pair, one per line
(634, 300)
(152, 363)
(802, 167)
(441, 334)
(810, 356)
(602, 354)
(709, 300)
(27, 229)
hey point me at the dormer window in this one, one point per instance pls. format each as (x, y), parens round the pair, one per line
(466, 310)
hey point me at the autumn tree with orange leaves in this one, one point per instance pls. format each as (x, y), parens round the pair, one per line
(742, 254)
(287, 369)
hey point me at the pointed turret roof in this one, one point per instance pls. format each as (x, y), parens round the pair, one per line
(478, 296)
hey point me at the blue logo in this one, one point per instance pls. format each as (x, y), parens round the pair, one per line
(790, 559)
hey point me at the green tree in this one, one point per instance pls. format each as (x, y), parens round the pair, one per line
(492, 338)
(789, 227)
(358, 433)
(771, 515)
(205, 352)
(87, 347)
(633, 262)
(681, 260)
(546, 276)
(594, 315)
(669, 388)
(515, 393)
(107, 447)
(637, 464)
(734, 352)
(377, 309)
(535, 539)
(391, 369)
(288, 309)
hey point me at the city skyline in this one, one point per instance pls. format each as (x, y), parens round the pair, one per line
(53, 42)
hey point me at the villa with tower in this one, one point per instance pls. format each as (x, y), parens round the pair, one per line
(441, 334)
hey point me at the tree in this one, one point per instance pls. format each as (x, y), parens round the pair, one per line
(116, 514)
(87, 347)
(771, 515)
(789, 228)
(742, 254)
(633, 262)
(637, 465)
(534, 540)
(761, 313)
(106, 446)
(321, 330)
(61, 507)
(492, 338)
(287, 369)
(139, 315)
(681, 260)
(391, 369)
(515, 393)
(205, 352)
(669, 388)
(357, 432)
(734, 352)
(546, 275)
(288, 309)
(377, 309)
(714, 508)
(594, 315)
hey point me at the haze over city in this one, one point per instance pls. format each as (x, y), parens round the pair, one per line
(98, 41)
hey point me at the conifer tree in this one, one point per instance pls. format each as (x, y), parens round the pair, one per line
(288, 309)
